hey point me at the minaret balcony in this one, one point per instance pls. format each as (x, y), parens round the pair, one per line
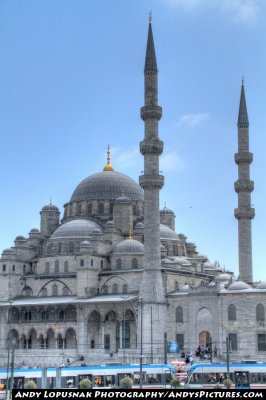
(151, 181)
(244, 213)
(154, 146)
(151, 112)
(244, 186)
(245, 157)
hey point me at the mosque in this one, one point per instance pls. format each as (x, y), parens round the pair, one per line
(112, 280)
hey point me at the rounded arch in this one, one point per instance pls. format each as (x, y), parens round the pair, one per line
(134, 263)
(32, 339)
(119, 263)
(71, 339)
(27, 291)
(13, 336)
(56, 266)
(66, 266)
(94, 316)
(111, 316)
(179, 314)
(50, 339)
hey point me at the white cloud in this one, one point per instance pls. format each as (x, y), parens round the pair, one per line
(191, 120)
(122, 160)
(238, 11)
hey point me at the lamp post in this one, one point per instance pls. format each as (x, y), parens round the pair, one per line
(227, 357)
(141, 343)
(8, 350)
(13, 346)
(124, 329)
(151, 338)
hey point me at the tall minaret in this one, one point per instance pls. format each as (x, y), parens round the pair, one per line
(244, 186)
(151, 148)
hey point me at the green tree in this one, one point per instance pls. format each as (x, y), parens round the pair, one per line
(85, 383)
(30, 385)
(126, 383)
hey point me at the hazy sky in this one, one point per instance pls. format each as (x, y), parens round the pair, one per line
(71, 83)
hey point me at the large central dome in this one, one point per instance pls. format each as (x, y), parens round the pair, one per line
(107, 185)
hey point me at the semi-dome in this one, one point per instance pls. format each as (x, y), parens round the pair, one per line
(223, 277)
(50, 207)
(166, 211)
(168, 233)
(139, 225)
(261, 285)
(129, 246)
(107, 185)
(78, 228)
(238, 285)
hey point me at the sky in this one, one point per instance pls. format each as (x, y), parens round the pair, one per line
(71, 83)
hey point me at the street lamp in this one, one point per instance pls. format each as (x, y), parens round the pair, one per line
(151, 339)
(8, 349)
(124, 328)
(141, 343)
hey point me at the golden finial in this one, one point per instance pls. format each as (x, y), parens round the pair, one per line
(150, 17)
(108, 166)
(130, 235)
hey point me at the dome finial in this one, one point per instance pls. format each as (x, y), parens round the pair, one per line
(108, 166)
(130, 234)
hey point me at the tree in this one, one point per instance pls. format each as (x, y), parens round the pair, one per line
(227, 383)
(126, 383)
(30, 385)
(175, 383)
(85, 384)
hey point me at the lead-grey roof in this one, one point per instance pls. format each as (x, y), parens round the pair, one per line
(129, 246)
(107, 185)
(78, 228)
(168, 233)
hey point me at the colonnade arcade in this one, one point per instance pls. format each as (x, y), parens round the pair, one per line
(58, 326)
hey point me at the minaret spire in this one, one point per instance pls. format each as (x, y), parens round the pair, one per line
(243, 187)
(152, 291)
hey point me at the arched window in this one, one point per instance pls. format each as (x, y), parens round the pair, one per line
(89, 208)
(124, 288)
(119, 263)
(260, 313)
(59, 247)
(71, 247)
(56, 266)
(54, 290)
(79, 209)
(134, 263)
(43, 292)
(27, 292)
(65, 266)
(176, 285)
(115, 288)
(65, 291)
(101, 208)
(231, 312)
(105, 289)
(179, 314)
(47, 268)
(111, 208)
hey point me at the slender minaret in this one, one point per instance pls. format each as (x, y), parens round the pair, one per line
(151, 181)
(151, 325)
(243, 187)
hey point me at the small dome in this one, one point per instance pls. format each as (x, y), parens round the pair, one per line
(78, 228)
(97, 231)
(20, 237)
(168, 233)
(50, 207)
(238, 285)
(223, 278)
(166, 211)
(122, 199)
(9, 251)
(139, 225)
(184, 289)
(261, 285)
(129, 246)
(110, 224)
(34, 230)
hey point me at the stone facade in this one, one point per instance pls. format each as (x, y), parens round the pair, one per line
(113, 279)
